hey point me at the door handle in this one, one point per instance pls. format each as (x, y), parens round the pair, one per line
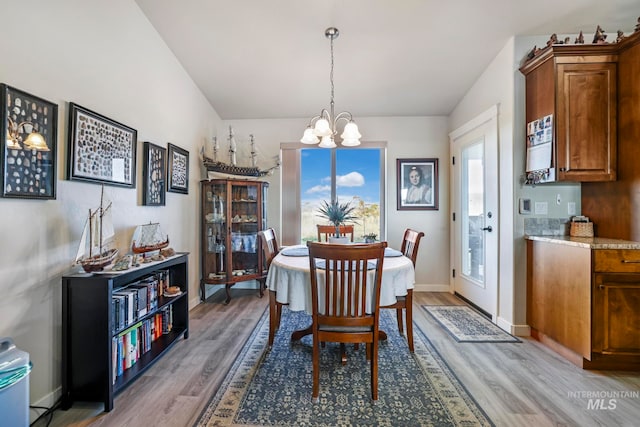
(489, 229)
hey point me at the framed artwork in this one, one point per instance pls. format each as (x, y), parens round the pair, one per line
(153, 175)
(177, 169)
(100, 150)
(28, 148)
(417, 184)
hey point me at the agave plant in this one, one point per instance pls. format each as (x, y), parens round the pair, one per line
(337, 213)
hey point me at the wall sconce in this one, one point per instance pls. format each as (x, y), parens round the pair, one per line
(34, 141)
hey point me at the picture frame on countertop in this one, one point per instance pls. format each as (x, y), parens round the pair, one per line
(29, 126)
(101, 150)
(153, 175)
(177, 169)
(417, 184)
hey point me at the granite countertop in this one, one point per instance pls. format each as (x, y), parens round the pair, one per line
(587, 242)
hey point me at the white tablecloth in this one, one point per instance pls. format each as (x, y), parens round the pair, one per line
(289, 276)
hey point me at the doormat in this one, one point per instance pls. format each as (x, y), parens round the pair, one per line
(467, 325)
(273, 387)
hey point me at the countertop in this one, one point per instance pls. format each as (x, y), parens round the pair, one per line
(587, 242)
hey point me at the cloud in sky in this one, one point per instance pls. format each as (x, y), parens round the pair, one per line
(319, 189)
(352, 179)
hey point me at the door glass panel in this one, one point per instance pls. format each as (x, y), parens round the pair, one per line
(315, 186)
(472, 205)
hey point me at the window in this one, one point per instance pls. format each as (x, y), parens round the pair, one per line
(311, 175)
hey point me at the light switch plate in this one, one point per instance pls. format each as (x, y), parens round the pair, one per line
(571, 208)
(541, 208)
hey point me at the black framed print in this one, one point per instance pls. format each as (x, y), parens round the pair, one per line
(29, 126)
(153, 175)
(100, 150)
(177, 169)
(417, 184)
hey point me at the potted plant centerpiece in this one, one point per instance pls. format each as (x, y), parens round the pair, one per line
(337, 214)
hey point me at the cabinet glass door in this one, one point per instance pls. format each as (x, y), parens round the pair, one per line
(215, 225)
(244, 228)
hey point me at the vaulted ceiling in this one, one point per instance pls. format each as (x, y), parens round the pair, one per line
(258, 59)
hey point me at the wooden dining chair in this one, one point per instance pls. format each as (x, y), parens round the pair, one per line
(270, 249)
(326, 231)
(410, 244)
(341, 311)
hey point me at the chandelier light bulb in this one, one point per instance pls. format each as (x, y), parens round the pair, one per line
(309, 137)
(327, 142)
(351, 131)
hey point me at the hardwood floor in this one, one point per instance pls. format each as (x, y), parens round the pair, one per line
(522, 384)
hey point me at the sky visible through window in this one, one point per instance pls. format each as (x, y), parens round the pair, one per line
(357, 179)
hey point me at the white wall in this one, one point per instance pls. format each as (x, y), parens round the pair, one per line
(407, 137)
(107, 57)
(502, 83)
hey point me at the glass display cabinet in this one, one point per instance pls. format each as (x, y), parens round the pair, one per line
(233, 211)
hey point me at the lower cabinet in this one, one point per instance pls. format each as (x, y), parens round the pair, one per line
(584, 302)
(116, 325)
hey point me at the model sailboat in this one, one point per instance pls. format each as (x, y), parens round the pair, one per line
(149, 237)
(219, 169)
(96, 249)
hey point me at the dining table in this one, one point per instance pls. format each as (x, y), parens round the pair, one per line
(290, 277)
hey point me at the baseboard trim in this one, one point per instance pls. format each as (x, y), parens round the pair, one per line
(517, 330)
(431, 288)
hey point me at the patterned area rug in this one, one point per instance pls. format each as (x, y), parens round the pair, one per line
(273, 388)
(467, 325)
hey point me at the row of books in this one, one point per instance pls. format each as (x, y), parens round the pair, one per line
(129, 345)
(134, 301)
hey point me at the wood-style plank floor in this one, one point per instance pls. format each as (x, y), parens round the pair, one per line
(522, 384)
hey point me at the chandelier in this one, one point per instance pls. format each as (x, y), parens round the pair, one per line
(322, 128)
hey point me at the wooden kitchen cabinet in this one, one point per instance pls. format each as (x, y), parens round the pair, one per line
(577, 84)
(583, 299)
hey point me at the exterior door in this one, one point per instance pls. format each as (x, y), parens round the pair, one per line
(474, 231)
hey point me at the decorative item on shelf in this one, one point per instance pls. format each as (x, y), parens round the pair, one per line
(637, 26)
(96, 250)
(620, 37)
(325, 124)
(148, 237)
(337, 213)
(580, 38)
(599, 37)
(581, 227)
(218, 169)
(370, 237)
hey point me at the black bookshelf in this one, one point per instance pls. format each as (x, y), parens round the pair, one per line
(87, 332)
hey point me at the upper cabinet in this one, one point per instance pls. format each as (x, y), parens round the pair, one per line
(576, 86)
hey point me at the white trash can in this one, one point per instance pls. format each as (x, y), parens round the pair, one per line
(14, 385)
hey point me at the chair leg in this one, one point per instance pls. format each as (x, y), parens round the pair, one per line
(399, 316)
(374, 370)
(315, 395)
(274, 316)
(409, 317)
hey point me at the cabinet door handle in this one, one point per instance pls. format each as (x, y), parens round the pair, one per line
(633, 261)
(601, 287)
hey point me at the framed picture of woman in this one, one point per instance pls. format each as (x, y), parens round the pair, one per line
(417, 184)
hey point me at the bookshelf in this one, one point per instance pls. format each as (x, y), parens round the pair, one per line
(93, 368)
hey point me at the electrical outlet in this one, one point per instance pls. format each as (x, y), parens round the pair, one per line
(571, 208)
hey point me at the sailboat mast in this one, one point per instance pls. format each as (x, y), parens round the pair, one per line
(90, 235)
(101, 215)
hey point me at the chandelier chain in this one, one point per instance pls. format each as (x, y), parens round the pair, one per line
(331, 77)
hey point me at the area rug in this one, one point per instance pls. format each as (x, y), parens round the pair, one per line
(467, 325)
(273, 387)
